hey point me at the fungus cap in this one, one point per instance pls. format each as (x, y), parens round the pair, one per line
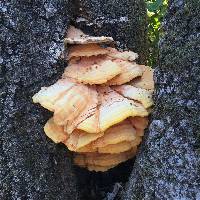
(79, 139)
(103, 159)
(113, 140)
(92, 70)
(70, 105)
(117, 148)
(121, 132)
(134, 93)
(90, 109)
(146, 80)
(113, 109)
(123, 55)
(47, 96)
(55, 132)
(98, 168)
(129, 71)
(76, 36)
(86, 50)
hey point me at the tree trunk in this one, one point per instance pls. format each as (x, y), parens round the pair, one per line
(167, 164)
(32, 167)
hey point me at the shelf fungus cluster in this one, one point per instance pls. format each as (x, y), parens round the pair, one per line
(101, 103)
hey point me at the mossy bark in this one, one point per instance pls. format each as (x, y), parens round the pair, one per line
(168, 163)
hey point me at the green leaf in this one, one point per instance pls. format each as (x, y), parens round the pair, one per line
(156, 12)
(154, 6)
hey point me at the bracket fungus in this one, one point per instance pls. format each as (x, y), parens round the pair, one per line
(100, 105)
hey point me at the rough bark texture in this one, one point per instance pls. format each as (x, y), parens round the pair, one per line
(32, 167)
(167, 165)
(124, 20)
(31, 33)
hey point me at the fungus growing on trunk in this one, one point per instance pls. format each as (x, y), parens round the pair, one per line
(100, 104)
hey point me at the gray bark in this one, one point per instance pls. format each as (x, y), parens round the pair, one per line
(32, 167)
(167, 166)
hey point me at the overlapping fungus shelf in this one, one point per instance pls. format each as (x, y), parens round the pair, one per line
(101, 104)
